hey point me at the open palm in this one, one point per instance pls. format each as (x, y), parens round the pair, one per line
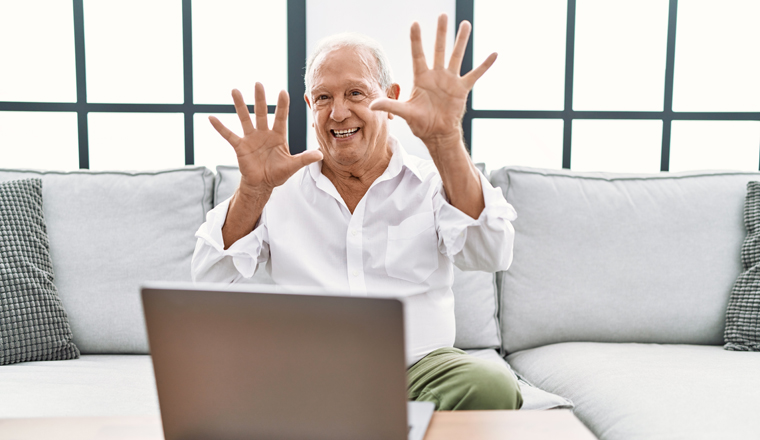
(263, 154)
(439, 95)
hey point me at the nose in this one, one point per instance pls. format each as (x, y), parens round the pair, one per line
(340, 111)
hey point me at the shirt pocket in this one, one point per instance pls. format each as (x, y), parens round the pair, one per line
(412, 250)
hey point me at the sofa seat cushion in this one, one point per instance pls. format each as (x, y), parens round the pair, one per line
(93, 385)
(650, 391)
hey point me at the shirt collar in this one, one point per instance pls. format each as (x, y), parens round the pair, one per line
(399, 160)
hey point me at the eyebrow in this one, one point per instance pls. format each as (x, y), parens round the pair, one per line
(317, 88)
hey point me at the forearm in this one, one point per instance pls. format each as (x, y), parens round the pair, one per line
(244, 211)
(460, 177)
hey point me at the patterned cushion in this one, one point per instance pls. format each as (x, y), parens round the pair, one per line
(33, 324)
(743, 314)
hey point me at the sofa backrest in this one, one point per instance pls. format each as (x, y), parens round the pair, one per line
(110, 232)
(620, 258)
(475, 298)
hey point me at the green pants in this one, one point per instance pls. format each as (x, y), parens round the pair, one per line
(454, 380)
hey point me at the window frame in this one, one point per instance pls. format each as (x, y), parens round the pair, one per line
(296, 57)
(465, 11)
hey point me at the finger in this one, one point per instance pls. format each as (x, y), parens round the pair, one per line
(455, 64)
(231, 137)
(475, 74)
(301, 160)
(418, 55)
(281, 113)
(260, 107)
(391, 106)
(440, 43)
(242, 111)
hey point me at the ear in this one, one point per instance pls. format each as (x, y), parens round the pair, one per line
(394, 91)
(308, 103)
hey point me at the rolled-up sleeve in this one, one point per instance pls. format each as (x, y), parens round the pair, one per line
(484, 243)
(212, 263)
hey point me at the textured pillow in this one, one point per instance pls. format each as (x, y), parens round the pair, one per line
(743, 313)
(33, 324)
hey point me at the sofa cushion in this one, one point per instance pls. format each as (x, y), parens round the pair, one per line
(620, 258)
(648, 391)
(111, 231)
(743, 314)
(475, 299)
(33, 323)
(93, 385)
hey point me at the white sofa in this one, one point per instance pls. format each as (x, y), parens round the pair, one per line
(615, 300)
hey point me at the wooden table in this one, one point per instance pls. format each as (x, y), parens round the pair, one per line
(471, 425)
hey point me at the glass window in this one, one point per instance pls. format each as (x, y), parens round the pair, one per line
(529, 37)
(57, 150)
(717, 63)
(133, 51)
(622, 146)
(211, 149)
(696, 145)
(136, 141)
(620, 51)
(37, 51)
(529, 142)
(237, 43)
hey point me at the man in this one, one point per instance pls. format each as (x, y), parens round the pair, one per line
(360, 215)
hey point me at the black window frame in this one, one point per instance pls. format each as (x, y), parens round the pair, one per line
(296, 34)
(465, 11)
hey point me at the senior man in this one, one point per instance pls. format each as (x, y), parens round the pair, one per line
(360, 215)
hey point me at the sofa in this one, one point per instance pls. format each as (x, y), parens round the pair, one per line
(614, 305)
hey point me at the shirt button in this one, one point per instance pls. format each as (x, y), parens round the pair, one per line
(353, 232)
(355, 273)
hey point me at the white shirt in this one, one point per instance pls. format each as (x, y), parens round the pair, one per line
(401, 240)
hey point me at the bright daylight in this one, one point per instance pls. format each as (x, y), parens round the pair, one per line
(337, 219)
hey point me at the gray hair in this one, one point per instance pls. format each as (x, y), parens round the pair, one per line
(358, 41)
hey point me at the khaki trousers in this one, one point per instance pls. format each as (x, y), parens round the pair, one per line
(454, 380)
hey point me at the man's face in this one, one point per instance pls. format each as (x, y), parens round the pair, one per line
(343, 86)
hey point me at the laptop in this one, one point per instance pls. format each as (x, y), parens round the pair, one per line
(264, 362)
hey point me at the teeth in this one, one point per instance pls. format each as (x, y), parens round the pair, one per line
(345, 133)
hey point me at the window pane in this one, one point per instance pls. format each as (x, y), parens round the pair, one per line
(20, 149)
(620, 50)
(717, 63)
(136, 141)
(699, 145)
(237, 43)
(529, 37)
(37, 51)
(529, 142)
(133, 51)
(211, 149)
(616, 146)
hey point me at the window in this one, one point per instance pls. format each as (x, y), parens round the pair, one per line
(129, 85)
(643, 86)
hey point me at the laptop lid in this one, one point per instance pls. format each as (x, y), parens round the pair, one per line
(256, 364)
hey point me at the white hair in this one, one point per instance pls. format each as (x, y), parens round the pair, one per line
(358, 41)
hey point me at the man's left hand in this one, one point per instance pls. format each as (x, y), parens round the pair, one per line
(438, 100)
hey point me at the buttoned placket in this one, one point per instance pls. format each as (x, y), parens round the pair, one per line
(354, 247)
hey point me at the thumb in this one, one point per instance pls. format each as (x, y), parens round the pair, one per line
(391, 106)
(301, 160)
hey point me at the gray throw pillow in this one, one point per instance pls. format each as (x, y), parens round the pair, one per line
(743, 313)
(33, 324)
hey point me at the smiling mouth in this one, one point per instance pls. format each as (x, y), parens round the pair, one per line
(344, 133)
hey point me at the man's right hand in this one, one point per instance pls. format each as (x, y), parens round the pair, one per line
(264, 160)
